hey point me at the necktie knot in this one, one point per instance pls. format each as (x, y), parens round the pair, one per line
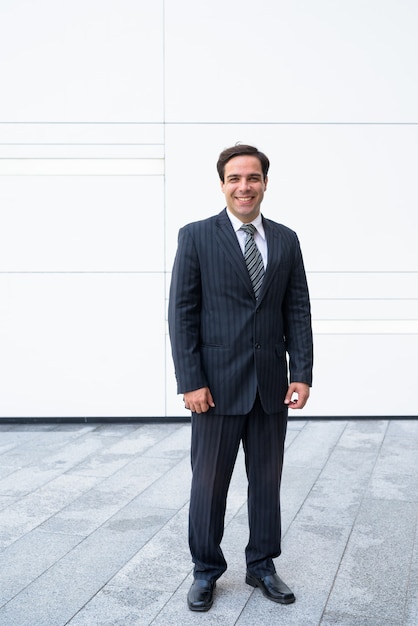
(249, 229)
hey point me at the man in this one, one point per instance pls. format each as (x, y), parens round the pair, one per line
(238, 304)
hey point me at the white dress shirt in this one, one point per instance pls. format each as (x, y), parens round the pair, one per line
(259, 235)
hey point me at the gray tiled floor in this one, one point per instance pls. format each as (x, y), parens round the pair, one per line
(93, 527)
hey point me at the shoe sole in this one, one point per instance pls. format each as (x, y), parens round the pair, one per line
(253, 582)
(200, 610)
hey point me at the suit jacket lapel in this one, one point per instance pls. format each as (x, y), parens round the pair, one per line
(273, 257)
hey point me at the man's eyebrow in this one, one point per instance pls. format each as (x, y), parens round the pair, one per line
(252, 174)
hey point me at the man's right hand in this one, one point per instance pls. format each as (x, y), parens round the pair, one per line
(199, 400)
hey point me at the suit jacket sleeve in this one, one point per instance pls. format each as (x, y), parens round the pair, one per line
(184, 315)
(297, 323)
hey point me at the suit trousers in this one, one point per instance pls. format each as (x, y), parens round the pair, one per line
(215, 444)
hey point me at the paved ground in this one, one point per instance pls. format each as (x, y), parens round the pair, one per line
(93, 527)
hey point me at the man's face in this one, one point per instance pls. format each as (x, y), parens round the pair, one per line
(244, 187)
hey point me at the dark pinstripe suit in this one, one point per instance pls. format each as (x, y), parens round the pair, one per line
(224, 339)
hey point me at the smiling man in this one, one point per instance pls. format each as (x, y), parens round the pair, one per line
(238, 313)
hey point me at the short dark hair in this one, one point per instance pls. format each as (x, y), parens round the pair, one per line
(241, 150)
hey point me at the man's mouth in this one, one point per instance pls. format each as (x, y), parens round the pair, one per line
(244, 199)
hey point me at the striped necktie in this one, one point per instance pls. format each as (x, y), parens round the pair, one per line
(253, 258)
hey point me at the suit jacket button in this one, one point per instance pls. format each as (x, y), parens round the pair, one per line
(257, 345)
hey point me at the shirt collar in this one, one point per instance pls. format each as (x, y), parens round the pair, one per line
(236, 223)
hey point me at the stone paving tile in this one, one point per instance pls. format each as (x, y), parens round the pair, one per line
(34, 447)
(341, 619)
(403, 428)
(120, 451)
(93, 508)
(374, 574)
(311, 555)
(337, 494)
(396, 474)
(5, 501)
(411, 609)
(171, 489)
(8, 442)
(177, 444)
(363, 435)
(314, 444)
(93, 527)
(29, 557)
(56, 596)
(297, 483)
(131, 597)
(27, 513)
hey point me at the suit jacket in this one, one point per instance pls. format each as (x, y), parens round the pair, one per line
(225, 339)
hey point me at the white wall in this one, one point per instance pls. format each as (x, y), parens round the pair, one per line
(112, 117)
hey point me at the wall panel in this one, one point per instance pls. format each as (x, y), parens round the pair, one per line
(81, 61)
(82, 279)
(363, 375)
(299, 61)
(81, 223)
(82, 345)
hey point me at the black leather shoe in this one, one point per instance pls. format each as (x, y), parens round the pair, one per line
(272, 587)
(200, 596)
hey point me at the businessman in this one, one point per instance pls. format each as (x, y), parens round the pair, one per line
(240, 329)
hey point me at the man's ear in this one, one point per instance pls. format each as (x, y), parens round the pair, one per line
(222, 185)
(266, 180)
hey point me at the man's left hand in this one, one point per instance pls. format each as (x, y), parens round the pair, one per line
(297, 401)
